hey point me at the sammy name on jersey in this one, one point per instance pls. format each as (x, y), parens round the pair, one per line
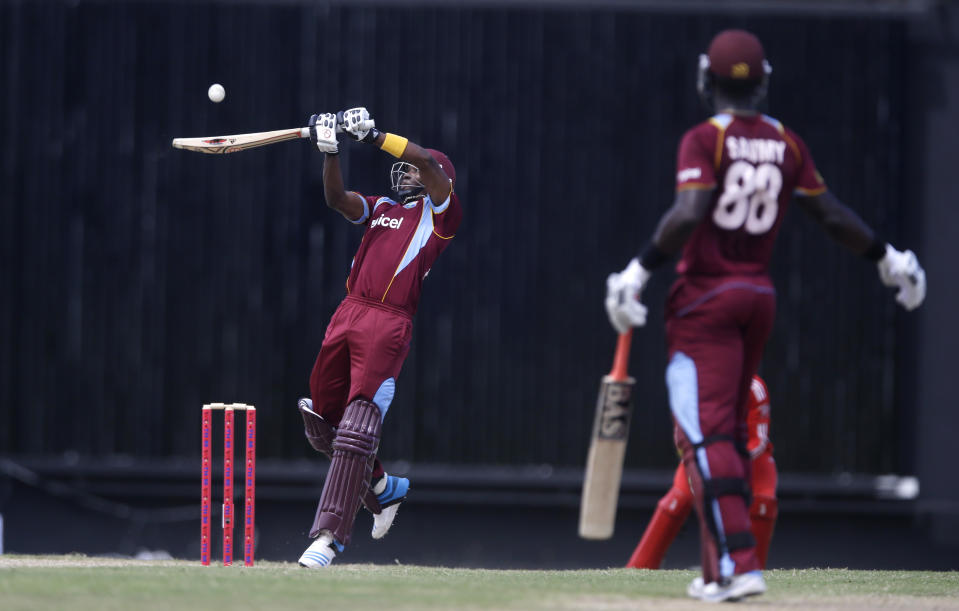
(756, 150)
(385, 221)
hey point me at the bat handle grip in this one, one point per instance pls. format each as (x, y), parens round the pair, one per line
(620, 369)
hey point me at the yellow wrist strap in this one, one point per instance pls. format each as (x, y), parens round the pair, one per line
(394, 145)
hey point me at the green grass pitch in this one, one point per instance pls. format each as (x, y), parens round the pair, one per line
(81, 583)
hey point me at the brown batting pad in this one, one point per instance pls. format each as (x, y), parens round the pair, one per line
(318, 431)
(354, 448)
(321, 435)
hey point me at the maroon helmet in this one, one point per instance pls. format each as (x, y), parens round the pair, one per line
(737, 54)
(408, 189)
(445, 163)
(737, 62)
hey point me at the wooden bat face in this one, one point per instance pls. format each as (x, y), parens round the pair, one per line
(239, 142)
(607, 448)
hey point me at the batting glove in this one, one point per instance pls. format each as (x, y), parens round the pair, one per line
(902, 270)
(358, 124)
(323, 132)
(623, 291)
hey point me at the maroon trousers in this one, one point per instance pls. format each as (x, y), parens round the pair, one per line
(363, 351)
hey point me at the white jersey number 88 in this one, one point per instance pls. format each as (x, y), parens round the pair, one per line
(750, 197)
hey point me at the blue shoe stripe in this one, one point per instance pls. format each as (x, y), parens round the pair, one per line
(317, 556)
(396, 488)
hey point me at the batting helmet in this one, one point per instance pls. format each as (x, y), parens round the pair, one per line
(736, 62)
(445, 163)
(408, 188)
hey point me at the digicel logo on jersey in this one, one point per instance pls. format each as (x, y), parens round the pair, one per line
(383, 221)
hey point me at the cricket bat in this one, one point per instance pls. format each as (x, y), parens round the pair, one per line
(219, 145)
(607, 448)
(239, 142)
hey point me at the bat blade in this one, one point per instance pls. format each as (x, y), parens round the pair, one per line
(607, 449)
(239, 142)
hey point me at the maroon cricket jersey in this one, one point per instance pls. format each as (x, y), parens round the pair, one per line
(755, 164)
(400, 245)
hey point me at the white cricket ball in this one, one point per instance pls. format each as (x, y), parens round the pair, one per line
(216, 92)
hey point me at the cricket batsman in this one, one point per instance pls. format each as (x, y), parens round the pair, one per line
(368, 337)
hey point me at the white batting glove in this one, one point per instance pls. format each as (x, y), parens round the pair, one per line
(902, 269)
(623, 291)
(356, 122)
(323, 132)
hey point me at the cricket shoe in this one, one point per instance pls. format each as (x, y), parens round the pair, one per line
(321, 552)
(695, 588)
(390, 492)
(739, 587)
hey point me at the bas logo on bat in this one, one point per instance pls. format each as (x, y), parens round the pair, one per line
(614, 417)
(220, 140)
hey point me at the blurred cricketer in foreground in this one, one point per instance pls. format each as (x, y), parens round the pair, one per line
(736, 174)
(368, 337)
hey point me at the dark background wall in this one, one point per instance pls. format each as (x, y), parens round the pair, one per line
(934, 87)
(138, 282)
